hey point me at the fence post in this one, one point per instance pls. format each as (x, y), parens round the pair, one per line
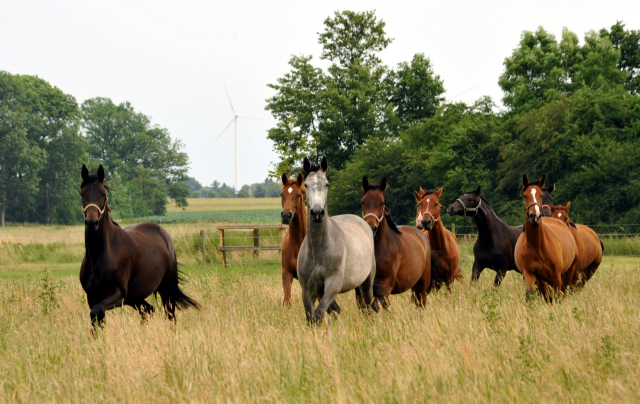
(453, 228)
(224, 257)
(256, 241)
(204, 252)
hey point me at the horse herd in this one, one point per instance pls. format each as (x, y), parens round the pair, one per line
(336, 254)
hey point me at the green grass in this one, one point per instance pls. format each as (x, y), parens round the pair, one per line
(261, 216)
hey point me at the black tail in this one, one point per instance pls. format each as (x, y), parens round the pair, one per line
(435, 276)
(181, 300)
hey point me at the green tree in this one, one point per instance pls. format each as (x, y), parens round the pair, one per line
(119, 199)
(628, 43)
(152, 165)
(416, 90)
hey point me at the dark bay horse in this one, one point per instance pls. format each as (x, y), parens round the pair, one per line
(337, 255)
(295, 215)
(546, 250)
(444, 245)
(547, 200)
(125, 266)
(403, 254)
(496, 239)
(590, 247)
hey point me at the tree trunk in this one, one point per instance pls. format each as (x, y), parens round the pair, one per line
(3, 208)
(48, 210)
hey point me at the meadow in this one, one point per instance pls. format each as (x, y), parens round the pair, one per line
(478, 344)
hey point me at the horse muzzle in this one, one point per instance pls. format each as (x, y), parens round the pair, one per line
(286, 217)
(91, 223)
(534, 219)
(427, 225)
(317, 215)
(452, 211)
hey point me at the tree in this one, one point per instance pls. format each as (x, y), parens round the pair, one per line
(628, 43)
(416, 90)
(152, 165)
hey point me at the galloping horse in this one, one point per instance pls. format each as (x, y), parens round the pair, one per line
(496, 239)
(444, 245)
(546, 250)
(125, 266)
(338, 253)
(403, 254)
(293, 214)
(589, 246)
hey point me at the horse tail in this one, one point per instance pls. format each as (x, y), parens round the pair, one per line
(435, 275)
(180, 299)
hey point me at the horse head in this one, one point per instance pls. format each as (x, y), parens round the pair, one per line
(293, 194)
(373, 203)
(532, 191)
(561, 212)
(547, 199)
(428, 208)
(94, 198)
(316, 184)
(467, 205)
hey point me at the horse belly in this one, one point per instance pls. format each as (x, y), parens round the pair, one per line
(360, 258)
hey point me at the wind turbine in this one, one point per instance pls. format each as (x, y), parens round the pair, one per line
(234, 121)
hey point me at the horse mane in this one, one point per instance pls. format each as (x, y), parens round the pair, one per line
(429, 192)
(311, 169)
(293, 181)
(392, 225)
(485, 202)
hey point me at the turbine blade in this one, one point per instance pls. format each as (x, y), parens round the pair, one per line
(232, 108)
(225, 129)
(251, 117)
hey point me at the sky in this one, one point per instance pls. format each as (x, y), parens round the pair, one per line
(172, 60)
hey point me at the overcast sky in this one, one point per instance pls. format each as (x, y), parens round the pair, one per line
(172, 59)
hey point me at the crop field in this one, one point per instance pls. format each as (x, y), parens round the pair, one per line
(478, 344)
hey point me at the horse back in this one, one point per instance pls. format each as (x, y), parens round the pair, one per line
(412, 258)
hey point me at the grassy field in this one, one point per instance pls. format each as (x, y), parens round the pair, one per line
(478, 344)
(217, 204)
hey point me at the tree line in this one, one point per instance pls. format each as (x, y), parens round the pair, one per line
(267, 189)
(571, 111)
(45, 137)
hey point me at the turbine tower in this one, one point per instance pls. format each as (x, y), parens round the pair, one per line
(234, 121)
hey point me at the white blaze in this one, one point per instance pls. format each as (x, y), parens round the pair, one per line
(559, 214)
(533, 193)
(290, 189)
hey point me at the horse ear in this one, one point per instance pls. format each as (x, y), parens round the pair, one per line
(552, 188)
(541, 181)
(568, 206)
(439, 192)
(324, 164)
(306, 165)
(478, 191)
(422, 191)
(299, 179)
(365, 184)
(525, 182)
(417, 196)
(464, 191)
(383, 184)
(85, 173)
(284, 178)
(101, 173)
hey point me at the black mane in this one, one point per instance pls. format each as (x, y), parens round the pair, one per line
(488, 205)
(311, 169)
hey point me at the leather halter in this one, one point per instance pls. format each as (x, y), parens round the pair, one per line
(475, 210)
(531, 204)
(429, 213)
(100, 211)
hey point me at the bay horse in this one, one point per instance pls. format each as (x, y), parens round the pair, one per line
(403, 254)
(293, 214)
(546, 251)
(547, 200)
(496, 239)
(444, 245)
(338, 253)
(590, 246)
(124, 267)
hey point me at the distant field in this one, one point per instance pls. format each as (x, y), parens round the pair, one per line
(220, 204)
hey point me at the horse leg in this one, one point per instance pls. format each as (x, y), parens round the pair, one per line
(332, 287)
(142, 306)
(476, 270)
(97, 311)
(419, 293)
(308, 300)
(530, 280)
(287, 280)
(366, 289)
(381, 291)
(500, 274)
(543, 290)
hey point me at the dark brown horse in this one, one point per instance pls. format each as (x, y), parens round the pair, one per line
(295, 215)
(546, 251)
(444, 245)
(496, 239)
(125, 266)
(589, 246)
(403, 254)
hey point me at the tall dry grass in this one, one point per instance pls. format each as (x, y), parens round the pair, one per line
(478, 344)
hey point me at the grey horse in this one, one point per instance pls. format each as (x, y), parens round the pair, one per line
(338, 253)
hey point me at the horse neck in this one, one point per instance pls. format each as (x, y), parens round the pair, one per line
(384, 233)
(437, 237)
(298, 226)
(534, 234)
(318, 233)
(486, 221)
(96, 242)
